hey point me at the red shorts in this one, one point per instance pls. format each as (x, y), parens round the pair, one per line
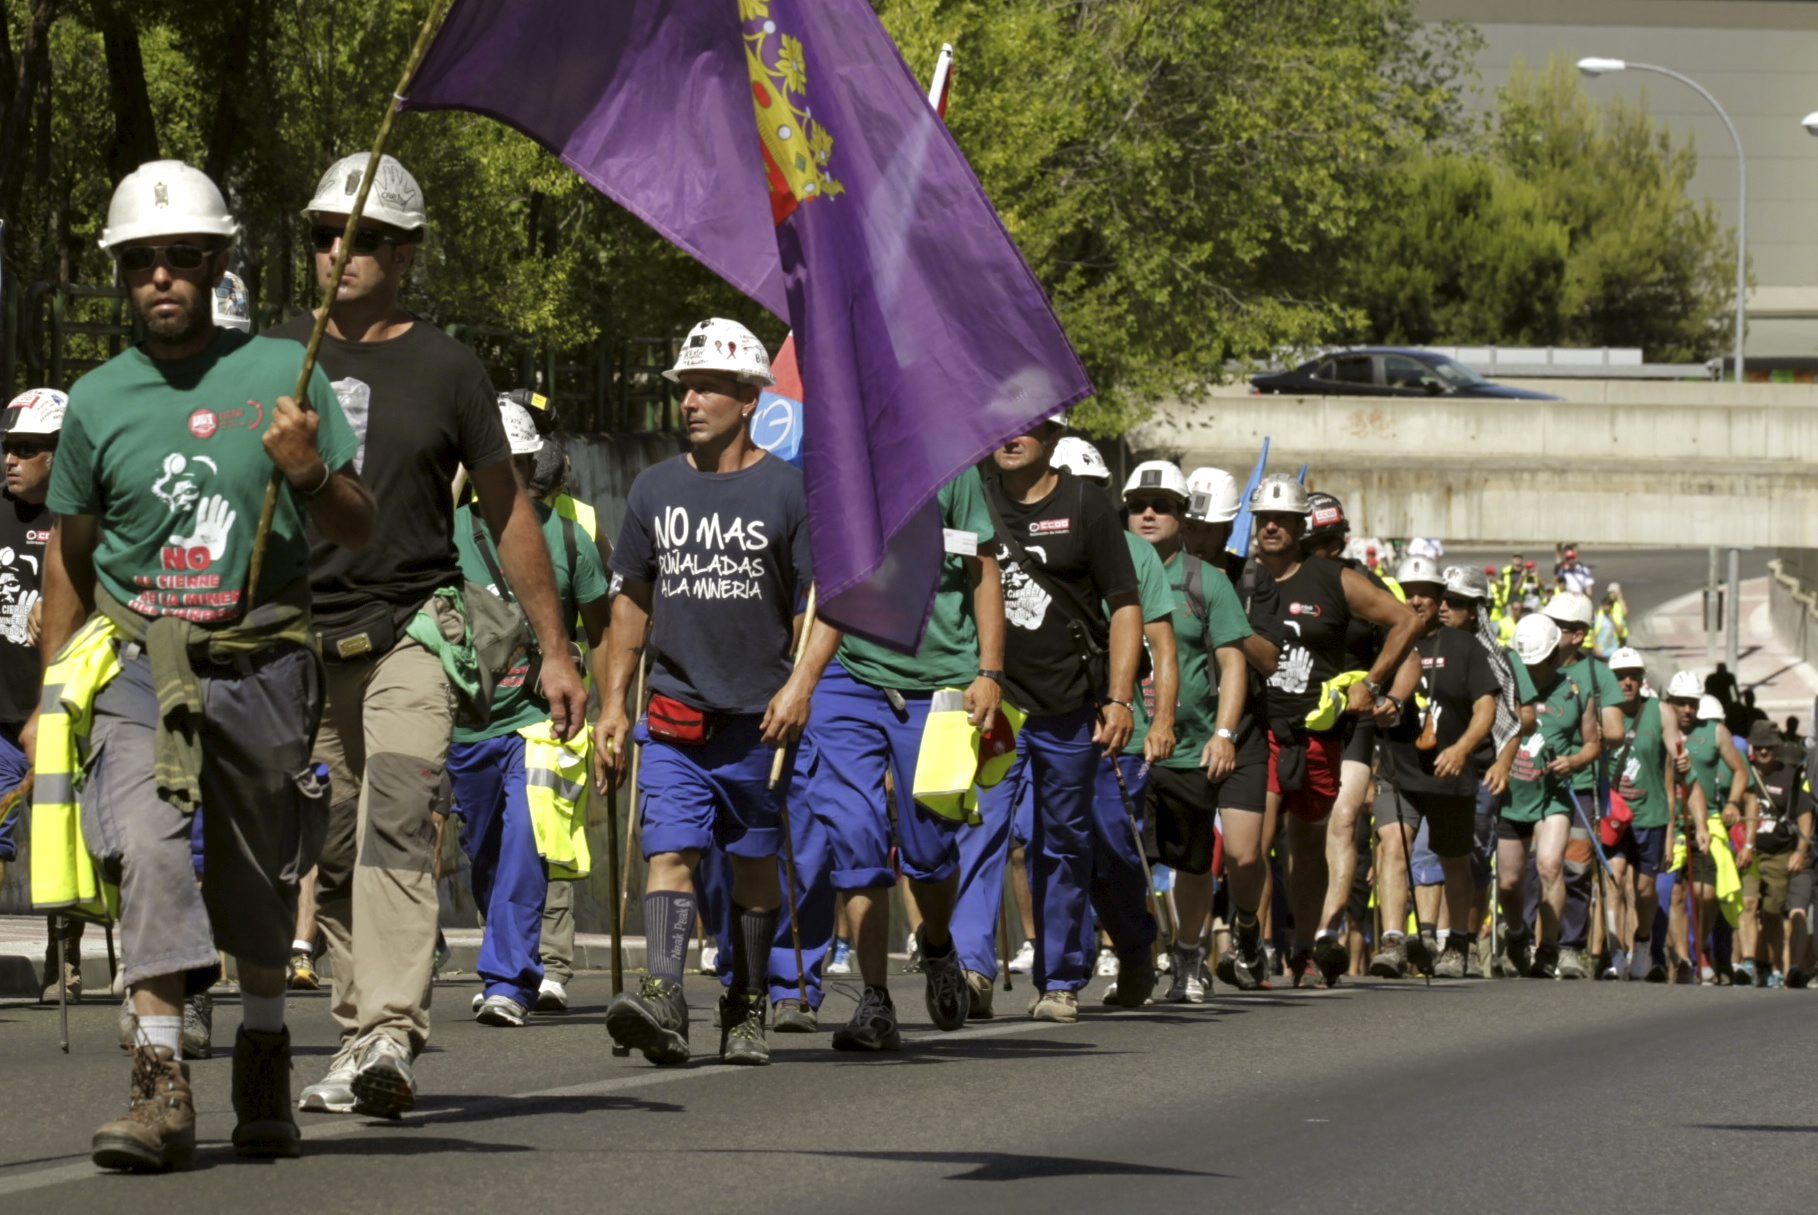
(1313, 801)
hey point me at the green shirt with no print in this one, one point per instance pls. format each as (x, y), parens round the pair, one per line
(948, 657)
(1195, 639)
(579, 579)
(1535, 793)
(1708, 767)
(1157, 605)
(168, 457)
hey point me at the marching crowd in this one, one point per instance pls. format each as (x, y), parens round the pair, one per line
(1201, 736)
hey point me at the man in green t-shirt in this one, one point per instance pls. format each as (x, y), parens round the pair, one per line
(1639, 775)
(161, 473)
(1559, 739)
(869, 711)
(490, 768)
(1187, 788)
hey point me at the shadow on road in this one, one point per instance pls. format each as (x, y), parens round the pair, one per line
(995, 1166)
(952, 1050)
(1773, 1128)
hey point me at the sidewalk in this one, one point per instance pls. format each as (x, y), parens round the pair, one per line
(1672, 638)
(23, 938)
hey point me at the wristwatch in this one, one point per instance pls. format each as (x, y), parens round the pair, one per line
(1372, 687)
(1229, 736)
(996, 677)
(1127, 706)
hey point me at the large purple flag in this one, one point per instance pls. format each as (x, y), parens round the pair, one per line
(785, 145)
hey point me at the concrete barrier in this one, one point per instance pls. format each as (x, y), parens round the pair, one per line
(1653, 464)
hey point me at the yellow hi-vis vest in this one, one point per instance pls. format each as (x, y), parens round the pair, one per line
(64, 877)
(556, 776)
(570, 507)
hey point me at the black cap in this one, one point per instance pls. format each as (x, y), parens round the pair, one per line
(1763, 734)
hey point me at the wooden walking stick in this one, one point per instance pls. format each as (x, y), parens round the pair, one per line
(431, 21)
(620, 876)
(614, 879)
(623, 893)
(776, 778)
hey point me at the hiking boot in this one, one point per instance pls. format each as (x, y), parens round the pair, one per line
(945, 990)
(1391, 961)
(501, 1011)
(1571, 964)
(794, 1017)
(70, 981)
(1188, 985)
(1135, 982)
(1332, 959)
(1421, 950)
(980, 989)
(552, 996)
(383, 1086)
(264, 1126)
(1796, 977)
(333, 1093)
(1058, 1006)
(199, 1026)
(654, 1020)
(159, 1129)
(873, 1025)
(300, 975)
(1452, 962)
(742, 1030)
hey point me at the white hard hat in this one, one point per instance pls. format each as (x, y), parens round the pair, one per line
(166, 198)
(233, 307)
(1685, 685)
(1164, 475)
(717, 344)
(1710, 708)
(1627, 659)
(1467, 581)
(1280, 494)
(1212, 495)
(395, 197)
(36, 411)
(1536, 637)
(520, 430)
(1570, 607)
(1081, 459)
(1418, 569)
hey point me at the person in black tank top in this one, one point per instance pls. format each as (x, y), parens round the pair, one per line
(1318, 598)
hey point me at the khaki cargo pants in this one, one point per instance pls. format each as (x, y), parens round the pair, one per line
(385, 733)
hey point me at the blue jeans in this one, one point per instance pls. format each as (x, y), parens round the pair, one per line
(510, 880)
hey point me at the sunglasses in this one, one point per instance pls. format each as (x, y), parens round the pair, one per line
(1161, 506)
(365, 240)
(26, 449)
(1458, 603)
(137, 259)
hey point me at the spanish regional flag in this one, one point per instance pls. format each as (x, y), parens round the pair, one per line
(786, 146)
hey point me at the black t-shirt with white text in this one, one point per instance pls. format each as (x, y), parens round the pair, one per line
(1455, 675)
(1077, 542)
(726, 557)
(24, 534)
(1778, 830)
(421, 406)
(1312, 620)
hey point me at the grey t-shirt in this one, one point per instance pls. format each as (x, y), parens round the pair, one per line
(726, 555)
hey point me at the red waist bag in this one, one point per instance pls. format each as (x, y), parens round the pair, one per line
(669, 720)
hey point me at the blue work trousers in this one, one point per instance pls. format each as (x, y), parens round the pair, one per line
(510, 880)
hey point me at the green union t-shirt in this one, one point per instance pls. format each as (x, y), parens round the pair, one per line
(948, 657)
(1225, 624)
(167, 456)
(1157, 605)
(1535, 793)
(1591, 672)
(516, 704)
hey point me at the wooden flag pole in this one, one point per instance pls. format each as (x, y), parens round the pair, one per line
(300, 394)
(776, 777)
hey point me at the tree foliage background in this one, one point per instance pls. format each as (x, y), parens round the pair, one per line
(1194, 181)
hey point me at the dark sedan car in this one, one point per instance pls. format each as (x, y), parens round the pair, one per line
(1388, 372)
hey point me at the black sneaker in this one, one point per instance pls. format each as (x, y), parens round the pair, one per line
(946, 994)
(742, 1030)
(1391, 961)
(1135, 982)
(1546, 962)
(873, 1025)
(1332, 959)
(653, 1020)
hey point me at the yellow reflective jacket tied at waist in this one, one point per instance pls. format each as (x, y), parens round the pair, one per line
(64, 876)
(555, 786)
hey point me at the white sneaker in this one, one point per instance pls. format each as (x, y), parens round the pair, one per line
(382, 1083)
(333, 1093)
(501, 1011)
(552, 996)
(1024, 961)
(1107, 964)
(479, 998)
(710, 958)
(1641, 961)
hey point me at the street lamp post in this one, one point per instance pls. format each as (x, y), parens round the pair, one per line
(1594, 66)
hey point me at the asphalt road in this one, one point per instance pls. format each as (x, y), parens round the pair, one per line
(1506, 1095)
(1649, 576)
